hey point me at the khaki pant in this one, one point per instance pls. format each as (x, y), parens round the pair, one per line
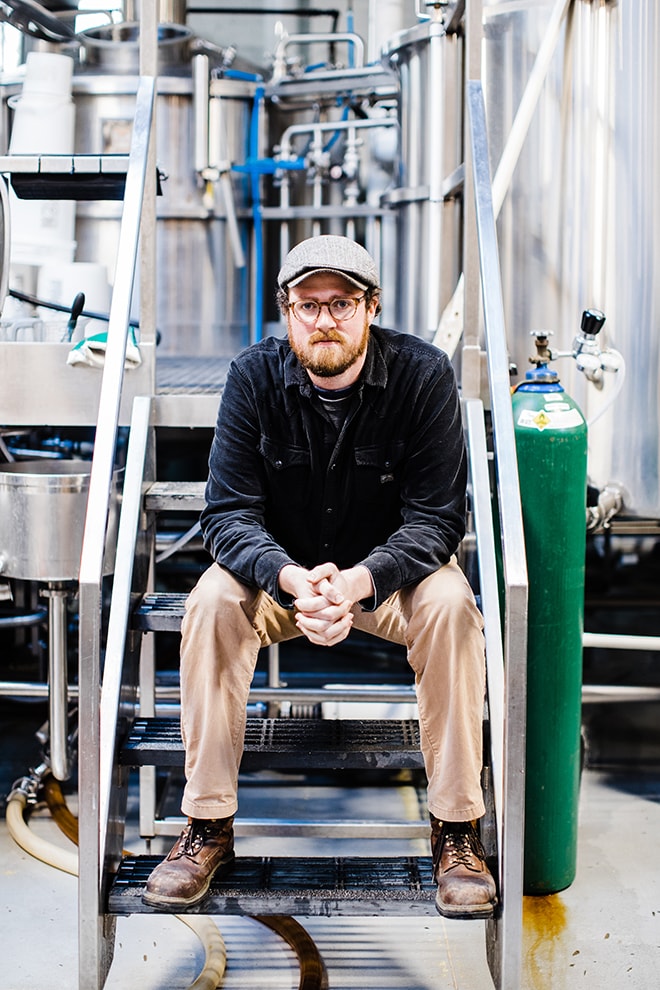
(225, 625)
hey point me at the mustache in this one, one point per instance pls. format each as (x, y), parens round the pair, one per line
(330, 335)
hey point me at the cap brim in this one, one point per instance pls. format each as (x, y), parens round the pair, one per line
(324, 271)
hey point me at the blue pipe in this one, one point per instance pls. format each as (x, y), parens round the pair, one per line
(253, 151)
(253, 168)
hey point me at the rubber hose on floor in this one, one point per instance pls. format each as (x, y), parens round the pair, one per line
(215, 962)
(313, 974)
(23, 836)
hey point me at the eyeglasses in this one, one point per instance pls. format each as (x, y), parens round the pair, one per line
(309, 310)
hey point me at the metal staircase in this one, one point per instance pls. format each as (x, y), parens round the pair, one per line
(118, 727)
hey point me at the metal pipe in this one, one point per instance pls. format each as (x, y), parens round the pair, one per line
(5, 238)
(328, 125)
(597, 693)
(58, 701)
(201, 86)
(26, 619)
(279, 62)
(612, 641)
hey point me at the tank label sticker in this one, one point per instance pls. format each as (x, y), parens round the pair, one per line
(553, 417)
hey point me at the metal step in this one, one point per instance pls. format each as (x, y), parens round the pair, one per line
(309, 887)
(290, 744)
(175, 496)
(79, 177)
(160, 612)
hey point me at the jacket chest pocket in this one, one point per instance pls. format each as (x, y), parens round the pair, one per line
(281, 458)
(378, 470)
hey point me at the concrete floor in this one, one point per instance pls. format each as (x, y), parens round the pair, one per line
(601, 933)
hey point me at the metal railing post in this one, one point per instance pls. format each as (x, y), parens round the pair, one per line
(94, 932)
(505, 933)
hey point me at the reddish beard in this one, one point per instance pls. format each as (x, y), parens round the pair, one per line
(327, 362)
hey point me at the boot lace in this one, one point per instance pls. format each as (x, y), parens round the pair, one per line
(462, 846)
(195, 836)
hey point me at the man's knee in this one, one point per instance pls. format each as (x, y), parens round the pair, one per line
(446, 591)
(216, 591)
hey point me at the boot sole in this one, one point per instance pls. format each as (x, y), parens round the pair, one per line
(463, 912)
(173, 903)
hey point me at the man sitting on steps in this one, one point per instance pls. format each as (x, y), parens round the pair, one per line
(335, 500)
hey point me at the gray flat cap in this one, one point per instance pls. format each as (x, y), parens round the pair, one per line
(329, 253)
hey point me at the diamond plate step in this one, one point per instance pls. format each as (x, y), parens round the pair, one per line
(308, 887)
(291, 744)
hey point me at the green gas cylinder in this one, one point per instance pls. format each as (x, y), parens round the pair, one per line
(551, 444)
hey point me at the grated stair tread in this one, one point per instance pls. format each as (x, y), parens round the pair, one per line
(290, 743)
(314, 886)
(160, 612)
(66, 176)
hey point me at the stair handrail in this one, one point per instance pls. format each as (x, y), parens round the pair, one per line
(514, 566)
(93, 546)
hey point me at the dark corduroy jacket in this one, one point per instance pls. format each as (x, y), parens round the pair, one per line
(387, 492)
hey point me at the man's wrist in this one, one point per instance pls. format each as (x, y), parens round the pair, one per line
(360, 582)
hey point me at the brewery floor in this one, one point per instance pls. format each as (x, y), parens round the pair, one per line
(601, 933)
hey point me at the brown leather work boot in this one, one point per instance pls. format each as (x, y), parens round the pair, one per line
(183, 878)
(466, 888)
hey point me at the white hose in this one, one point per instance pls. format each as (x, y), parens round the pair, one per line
(214, 946)
(206, 930)
(23, 836)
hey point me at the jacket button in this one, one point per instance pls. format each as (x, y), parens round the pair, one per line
(329, 511)
(278, 464)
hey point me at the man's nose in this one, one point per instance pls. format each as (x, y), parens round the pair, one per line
(325, 318)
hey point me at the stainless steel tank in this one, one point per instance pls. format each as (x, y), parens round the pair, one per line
(581, 226)
(42, 518)
(202, 295)
(428, 63)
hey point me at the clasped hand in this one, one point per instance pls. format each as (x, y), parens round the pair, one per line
(324, 598)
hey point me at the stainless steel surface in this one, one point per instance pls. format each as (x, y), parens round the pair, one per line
(57, 394)
(429, 67)
(116, 48)
(202, 300)
(507, 940)
(42, 516)
(590, 240)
